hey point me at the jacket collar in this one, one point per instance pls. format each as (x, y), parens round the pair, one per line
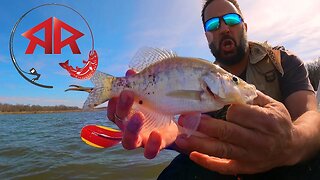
(257, 51)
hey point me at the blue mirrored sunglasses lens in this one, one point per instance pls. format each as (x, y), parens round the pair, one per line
(232, 19)
(212, 24)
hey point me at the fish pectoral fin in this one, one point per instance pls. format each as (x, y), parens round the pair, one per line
(153, 119)
(191, 122)
(185, 94)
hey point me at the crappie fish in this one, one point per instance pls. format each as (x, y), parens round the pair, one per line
(168, 85)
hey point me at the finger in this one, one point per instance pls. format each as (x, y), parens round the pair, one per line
(226, 131)
(152, 148)
(252, 117)
(124, 105)
(262, 99)
(239, 137)
(225, 166)
(131, 138)
(130, 72)
(211, 146)
(112, 109)
(112, 104)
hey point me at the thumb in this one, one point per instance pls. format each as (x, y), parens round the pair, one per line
(131, 72)
(262, 99)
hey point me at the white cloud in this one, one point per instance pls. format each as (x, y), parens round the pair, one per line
(294, 24)
(177, 25)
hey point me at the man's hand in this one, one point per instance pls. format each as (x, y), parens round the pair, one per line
(131, 125)
(255, 138)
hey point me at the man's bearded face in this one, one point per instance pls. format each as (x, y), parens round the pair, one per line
(228, 52)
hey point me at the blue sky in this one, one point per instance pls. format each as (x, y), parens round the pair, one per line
(120, 28)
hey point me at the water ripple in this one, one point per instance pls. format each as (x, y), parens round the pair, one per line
(48, 146)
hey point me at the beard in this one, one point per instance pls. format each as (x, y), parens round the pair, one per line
(230, 59)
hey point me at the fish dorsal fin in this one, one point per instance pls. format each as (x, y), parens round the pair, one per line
(147, 56)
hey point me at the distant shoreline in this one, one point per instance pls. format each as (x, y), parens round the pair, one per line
(49, 112)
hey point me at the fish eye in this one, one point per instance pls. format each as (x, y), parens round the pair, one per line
(235, 80)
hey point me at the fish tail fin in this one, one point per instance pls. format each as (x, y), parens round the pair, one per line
(102, 90)
(64, 65)
(100, 93)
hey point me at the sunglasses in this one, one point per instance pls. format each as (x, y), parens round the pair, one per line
(230, 19)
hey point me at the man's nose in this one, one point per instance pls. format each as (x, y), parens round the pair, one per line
(224, 28)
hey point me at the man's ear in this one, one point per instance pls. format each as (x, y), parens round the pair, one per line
(246, 27)
(209, 37)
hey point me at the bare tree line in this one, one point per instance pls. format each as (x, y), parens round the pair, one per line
(314, 72)
(4, 107)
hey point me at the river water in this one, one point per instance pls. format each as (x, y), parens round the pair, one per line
(48, 146)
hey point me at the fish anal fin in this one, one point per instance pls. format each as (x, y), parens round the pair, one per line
(186, 94)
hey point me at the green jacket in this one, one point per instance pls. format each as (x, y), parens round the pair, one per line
(264, 68)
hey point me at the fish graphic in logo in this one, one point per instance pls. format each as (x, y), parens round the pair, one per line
(85, 72)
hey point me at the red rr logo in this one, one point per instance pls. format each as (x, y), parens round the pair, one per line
(47, 43)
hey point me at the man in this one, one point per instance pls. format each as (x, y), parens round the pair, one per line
(267, 139)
